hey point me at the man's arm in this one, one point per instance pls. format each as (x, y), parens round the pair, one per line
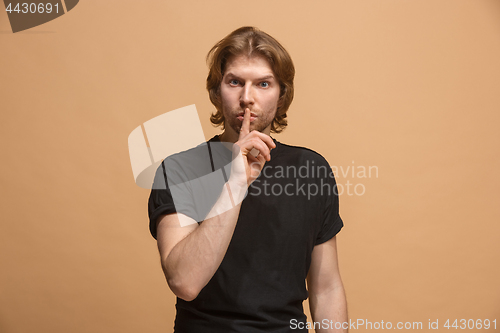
(191, 255)
(326, 292)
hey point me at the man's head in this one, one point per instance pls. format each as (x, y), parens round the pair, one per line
(244, 48)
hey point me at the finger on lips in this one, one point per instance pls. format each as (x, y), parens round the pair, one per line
(260, 147)
(245, 125)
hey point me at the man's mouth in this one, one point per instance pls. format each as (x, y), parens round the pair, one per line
(241, 115)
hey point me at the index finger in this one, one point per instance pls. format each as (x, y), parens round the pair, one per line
(245, 126)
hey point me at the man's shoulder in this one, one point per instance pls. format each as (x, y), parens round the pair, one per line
(301, 153)
(200, 160)
(188, 156)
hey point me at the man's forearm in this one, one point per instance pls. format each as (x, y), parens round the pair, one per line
(194, 260)
(330, 307)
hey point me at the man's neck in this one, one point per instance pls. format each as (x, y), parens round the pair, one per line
(226, 136)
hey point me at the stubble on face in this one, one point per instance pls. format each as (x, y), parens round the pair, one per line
(260, 124)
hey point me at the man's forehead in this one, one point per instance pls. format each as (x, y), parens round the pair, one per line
(243, 64)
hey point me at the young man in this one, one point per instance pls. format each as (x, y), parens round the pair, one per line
(240, 264)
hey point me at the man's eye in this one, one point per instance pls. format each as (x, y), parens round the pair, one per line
(234, 82)
(264, 84)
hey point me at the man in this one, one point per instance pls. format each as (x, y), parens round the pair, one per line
(240, 263)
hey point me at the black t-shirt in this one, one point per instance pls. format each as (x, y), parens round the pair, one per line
(291, 207)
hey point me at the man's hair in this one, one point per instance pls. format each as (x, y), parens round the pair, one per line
(251, 41)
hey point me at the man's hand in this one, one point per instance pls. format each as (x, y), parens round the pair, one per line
(247, 167)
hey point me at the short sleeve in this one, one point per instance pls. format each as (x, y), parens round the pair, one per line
(184, 183)
(171, 192)
(332, 222)
(160, 200)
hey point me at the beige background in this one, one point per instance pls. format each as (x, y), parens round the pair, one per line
(409, 86)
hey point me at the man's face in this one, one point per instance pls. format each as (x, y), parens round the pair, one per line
(249, 83)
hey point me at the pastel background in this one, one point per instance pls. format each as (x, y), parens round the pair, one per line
(408, 86)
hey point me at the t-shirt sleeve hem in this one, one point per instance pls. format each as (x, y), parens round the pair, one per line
(162, 210)
(334, 229)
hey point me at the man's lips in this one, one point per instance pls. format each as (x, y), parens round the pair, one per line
(242, 114)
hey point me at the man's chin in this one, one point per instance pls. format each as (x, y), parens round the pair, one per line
(253, 127)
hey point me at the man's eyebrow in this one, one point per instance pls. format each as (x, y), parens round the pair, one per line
(265, 77)
(270, 76)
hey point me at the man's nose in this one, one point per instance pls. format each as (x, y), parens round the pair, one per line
(247, 95)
